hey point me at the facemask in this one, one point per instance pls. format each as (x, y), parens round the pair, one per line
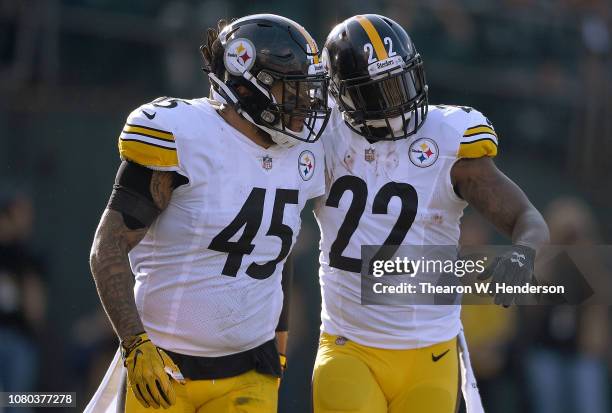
(395, 123)
(277, 137)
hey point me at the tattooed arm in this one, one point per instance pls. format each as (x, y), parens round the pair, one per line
(499, 200)
(110, 264)
(139, 196)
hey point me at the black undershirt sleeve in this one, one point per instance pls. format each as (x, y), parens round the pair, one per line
(132, 194)
(283, 321)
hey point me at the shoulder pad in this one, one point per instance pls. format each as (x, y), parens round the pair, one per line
(147, 138)
(477, 137)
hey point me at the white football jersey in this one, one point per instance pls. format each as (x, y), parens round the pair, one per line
(208, 271)
(395, 193)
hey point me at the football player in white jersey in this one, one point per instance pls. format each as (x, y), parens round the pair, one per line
(204, 212)
(400, 172)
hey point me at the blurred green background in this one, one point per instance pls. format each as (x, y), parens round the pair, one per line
(71, 71)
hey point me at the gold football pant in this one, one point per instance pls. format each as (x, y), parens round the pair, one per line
(351, 378)
(250, 392)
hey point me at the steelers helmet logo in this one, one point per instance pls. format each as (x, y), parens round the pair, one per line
(423, 152)
(239, 56)
(306, 165)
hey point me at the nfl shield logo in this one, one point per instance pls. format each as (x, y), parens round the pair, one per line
(266, 162)
(370, 154)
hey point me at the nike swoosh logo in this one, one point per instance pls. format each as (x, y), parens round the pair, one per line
(438, 357)
(149, 116)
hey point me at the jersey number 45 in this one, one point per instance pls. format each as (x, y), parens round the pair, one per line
(250, 217)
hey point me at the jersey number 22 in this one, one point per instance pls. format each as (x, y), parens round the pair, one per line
(357, 186)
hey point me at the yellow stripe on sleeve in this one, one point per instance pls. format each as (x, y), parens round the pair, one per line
(479, 129)
(154, 133)
(379, 48)
(478, 149)
(147, 154)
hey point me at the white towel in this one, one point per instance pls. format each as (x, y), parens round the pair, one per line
(105, 398)
(469, 387)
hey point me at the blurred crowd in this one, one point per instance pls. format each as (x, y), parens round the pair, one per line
(71, 70)
(22, 294)
(542, 359)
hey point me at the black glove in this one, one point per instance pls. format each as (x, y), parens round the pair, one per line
(512, 268)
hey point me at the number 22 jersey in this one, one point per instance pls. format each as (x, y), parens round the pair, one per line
(208, 271)
(394, 193)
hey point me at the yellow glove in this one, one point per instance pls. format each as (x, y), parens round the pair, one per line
(148, 368)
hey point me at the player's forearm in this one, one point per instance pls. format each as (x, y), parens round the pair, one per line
(281, 341)
(530, 229)
(282, 328)
(500, 201)
(115, 287)
(113, 276)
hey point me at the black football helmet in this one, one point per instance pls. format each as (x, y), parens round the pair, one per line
(269, 54)
(377, 77)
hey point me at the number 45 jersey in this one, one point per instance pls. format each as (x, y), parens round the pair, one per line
(394, 193)
(208, 272)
